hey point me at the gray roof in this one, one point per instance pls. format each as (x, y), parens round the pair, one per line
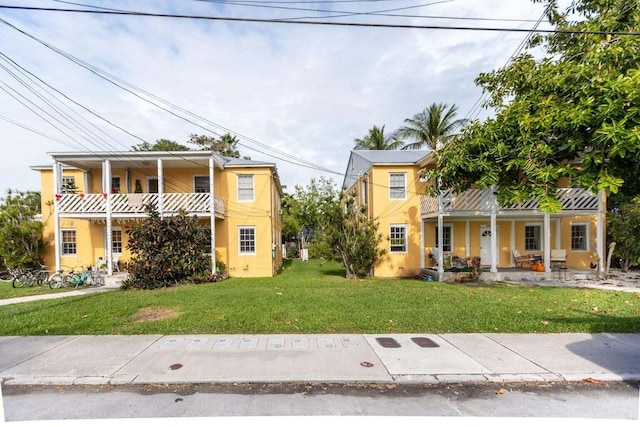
(391, 156)
(361, 161)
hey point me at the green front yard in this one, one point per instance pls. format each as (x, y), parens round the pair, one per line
(314, 297)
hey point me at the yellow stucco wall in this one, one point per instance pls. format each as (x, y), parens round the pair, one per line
(390, 212)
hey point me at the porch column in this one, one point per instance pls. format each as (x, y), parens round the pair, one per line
(440, 254)
(600, 235)
(547, 242)
(467, 239)
(494, 236)
(212, 208)
(558, 233)
(513, 242)
(107, 195)
(422, 253)
(160, 189)
(57, 180)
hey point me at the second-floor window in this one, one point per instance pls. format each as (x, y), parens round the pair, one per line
(201, 184)
(364, 191)
(115, 184)
(532, 238)
(68, 185)
(245, 188)
(397, 186)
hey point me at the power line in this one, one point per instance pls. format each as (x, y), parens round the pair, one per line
(324, 23)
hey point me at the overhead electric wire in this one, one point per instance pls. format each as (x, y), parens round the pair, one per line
(320, 23)
(121, 83)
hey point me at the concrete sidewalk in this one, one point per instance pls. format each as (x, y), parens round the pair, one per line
(379, 358)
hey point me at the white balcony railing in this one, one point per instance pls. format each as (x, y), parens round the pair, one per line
(123, 205)
(479, 201)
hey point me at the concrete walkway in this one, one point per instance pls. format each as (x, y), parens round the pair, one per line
(379, 358)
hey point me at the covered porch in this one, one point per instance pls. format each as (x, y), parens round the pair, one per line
(492, 234)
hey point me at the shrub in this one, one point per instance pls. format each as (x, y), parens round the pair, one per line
(167, 251)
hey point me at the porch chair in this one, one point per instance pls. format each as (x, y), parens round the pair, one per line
(434, 253)
(116, 262)
(520, 259)
(101, 263)
(559, 256)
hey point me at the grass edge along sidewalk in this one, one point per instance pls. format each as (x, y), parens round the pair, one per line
(314, 297)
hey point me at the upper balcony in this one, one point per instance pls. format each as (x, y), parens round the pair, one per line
(479, 202)
(133, 205)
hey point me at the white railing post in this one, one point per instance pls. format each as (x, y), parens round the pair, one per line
(600, 235)
(494, 240)
(547, 242)
(212, 208)
(57, 179)
(107, 196)
(160, 189)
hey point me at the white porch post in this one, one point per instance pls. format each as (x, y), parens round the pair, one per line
(107, 192)
(494, 236)
(547, 242)
(160, 189)
(422, 252)
(513, 241)
(57, 180)
(212, 207)
(440, 254)
(467, 239)
(600, 235)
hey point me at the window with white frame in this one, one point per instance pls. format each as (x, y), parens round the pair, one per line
(247, 240)
(398, 238)
(69, 242)
(116, 241)
(447, 238)
(68, 185)
(532, 237)
(579, 237)
(201, 184)
(397, 186)
(245, 188)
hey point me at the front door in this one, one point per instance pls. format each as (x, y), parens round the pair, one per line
(485, 245)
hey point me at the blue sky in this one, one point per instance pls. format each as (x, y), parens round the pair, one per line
(293, 93)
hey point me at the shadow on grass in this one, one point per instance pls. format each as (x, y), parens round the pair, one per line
(339, 272)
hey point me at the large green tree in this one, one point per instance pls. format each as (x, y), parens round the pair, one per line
(161, 145)
(22, 243)
(303, 211)
(431, 128)
(226, 145)
(377, 140)
(574, 112)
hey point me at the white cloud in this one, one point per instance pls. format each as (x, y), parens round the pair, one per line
(300, 89)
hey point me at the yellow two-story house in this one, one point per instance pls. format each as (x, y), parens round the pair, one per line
(422, 231)
(91, 199)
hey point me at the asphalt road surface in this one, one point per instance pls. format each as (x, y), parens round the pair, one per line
(588, 401)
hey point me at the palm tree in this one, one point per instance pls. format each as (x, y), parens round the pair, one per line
(432, 127)
(376, 140)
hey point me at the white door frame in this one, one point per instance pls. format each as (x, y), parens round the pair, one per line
(487, 260)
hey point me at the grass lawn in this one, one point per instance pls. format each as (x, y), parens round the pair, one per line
(8, 291)
(314, 297)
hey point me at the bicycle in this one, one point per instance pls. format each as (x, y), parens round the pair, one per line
(76, 278)
(28, 277)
